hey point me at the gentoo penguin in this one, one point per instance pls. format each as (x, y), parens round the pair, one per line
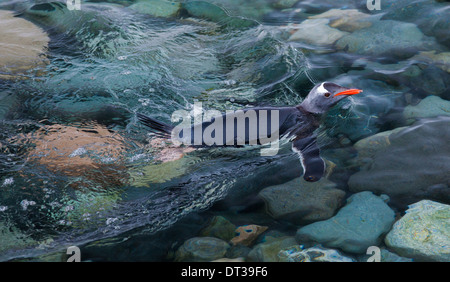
(296, 123)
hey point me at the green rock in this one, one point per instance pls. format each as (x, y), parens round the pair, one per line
(302, 202)
(220, 228)
(385, 256)
(157, 8)
(205, 10)
(214, 13)
(431, 106)
(268, 251)
(201, 249)
(357, 226)
(423, 233)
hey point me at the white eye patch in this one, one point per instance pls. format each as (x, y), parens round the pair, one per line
(322, 89)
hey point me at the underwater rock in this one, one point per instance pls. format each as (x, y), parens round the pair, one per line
(302, 202)
(13, 238)
(314, 254)
(385, 256)
(268, 251)
(316, 32)
(441, 60)
(252, 10)
(219, 227)
(205, 10)
(423, 233)
(247, 234)
(284, 4)
(431, 106)
(237, 251)
(316, 7)
(169, 161)
(214, 13)
(240, 259)
(201, 249)
(429, 15)
(386, 37)
(368, 146)
(23, 46)
(345, 20)
(9, 101)
(81, 151)
(157, 8)
(412, 167)
(361, 223)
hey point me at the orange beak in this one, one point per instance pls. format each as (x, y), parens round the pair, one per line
(349, 92)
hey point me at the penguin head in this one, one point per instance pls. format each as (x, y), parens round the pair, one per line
(324, 96)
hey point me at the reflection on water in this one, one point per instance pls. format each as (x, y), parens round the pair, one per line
(76, 167)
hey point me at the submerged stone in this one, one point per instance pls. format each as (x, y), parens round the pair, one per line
(301, 202)
(23, 46)
(247, 234)
(357, 226)
(214, 13)
(268, 251)
(386, 37)
(313, 254)
(345, 20)
(423, 233)
(201, 249)
(157, 8)
(441, 60)
(316, 32)
(219, 227)
(413, 166)
(431, 106)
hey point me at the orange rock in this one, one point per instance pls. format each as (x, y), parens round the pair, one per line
(92, 152)
(246, 234)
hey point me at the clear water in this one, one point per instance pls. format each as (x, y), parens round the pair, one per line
(96, 80)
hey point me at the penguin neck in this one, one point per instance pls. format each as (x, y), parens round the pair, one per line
(307, 111)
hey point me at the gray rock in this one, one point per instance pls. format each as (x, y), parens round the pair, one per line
(157, 8)
(385, 256)
(423, 233)
(317, 32)
(302, 202)
(393, 37)
(215, 13)
(431, 106)
(237, 251)
(23, 47)
(313, 254)
(201, 249)
(357, 226)
(414, 165)
(268, 251)
(219, 227)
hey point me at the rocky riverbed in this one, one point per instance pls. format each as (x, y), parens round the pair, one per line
(76, 168)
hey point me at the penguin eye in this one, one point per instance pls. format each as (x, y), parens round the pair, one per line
(328, 94)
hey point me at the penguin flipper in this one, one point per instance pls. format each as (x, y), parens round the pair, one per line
(309, 153)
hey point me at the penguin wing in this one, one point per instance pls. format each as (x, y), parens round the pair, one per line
(309, 153)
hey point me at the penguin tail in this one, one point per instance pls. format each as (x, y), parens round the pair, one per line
(159, 128)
